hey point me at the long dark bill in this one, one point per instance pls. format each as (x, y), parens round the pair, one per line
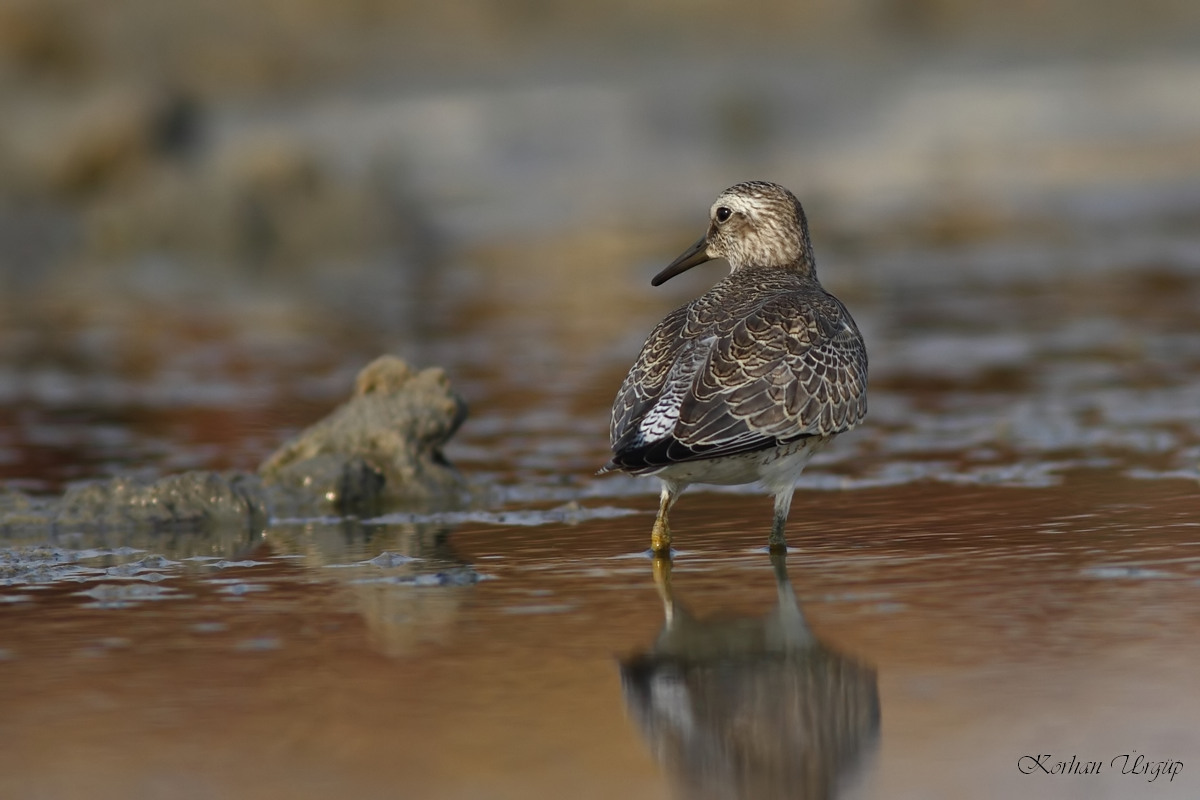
(691, 257)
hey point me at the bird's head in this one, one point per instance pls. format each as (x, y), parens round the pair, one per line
(751, 224)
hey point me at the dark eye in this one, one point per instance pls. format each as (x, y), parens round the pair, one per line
(723, 213)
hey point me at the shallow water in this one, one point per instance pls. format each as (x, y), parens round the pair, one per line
(1001, 564)
(946, 633)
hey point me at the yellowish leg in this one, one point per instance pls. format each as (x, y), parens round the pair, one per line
(660, 540)
(660, 536)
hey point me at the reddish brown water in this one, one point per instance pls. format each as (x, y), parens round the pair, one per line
(1000, 623)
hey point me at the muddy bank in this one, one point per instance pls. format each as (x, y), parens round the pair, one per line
(380, 451)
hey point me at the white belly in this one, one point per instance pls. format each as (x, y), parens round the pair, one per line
(776, 469)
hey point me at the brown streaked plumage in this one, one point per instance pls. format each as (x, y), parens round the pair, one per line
(749, 381)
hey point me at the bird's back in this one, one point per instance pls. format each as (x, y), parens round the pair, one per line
(764, 358)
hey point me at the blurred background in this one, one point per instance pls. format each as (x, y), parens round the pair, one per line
(213, 213)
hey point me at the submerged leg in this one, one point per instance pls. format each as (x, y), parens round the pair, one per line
(662, 582)
(777, 542)
(660, 536)
(792, 625)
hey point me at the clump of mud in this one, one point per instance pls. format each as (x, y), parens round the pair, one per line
(380, 451)
(382, 447)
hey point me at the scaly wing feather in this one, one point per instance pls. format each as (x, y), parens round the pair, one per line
(790, 366)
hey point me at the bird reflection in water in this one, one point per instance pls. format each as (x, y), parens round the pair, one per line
(750, 707)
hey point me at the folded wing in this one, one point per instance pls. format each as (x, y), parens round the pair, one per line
(791, 367)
